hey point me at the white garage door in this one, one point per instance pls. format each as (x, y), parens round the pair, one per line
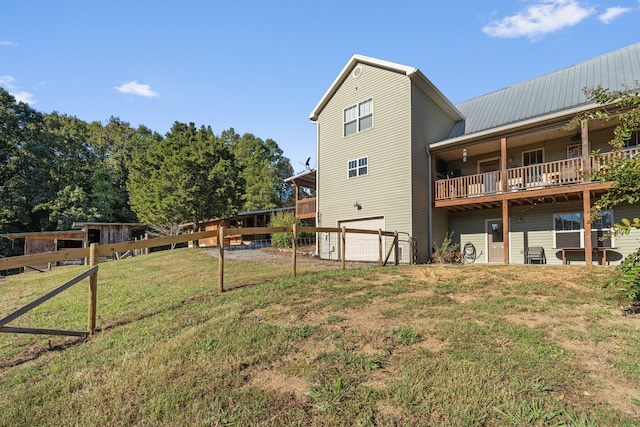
(362, 247)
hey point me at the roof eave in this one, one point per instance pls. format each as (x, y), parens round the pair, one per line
(413, 73)
(509, 128)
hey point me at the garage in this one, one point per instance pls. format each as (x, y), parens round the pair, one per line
(362, 247)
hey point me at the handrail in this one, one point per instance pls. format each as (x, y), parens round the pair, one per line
(557, 173)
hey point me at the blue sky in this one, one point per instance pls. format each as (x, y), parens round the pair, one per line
(261, 67)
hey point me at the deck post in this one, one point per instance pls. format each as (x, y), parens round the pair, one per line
(505, 230)
(503, 165)
(221, 260)
(93, 289)
(294, 245)
(588, 241)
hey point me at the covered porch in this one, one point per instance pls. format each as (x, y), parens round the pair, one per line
(525, 168)
(305, 188)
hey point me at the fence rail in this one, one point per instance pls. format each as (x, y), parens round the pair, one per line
(95, 250)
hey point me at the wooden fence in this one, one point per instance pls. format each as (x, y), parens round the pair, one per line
(94, 251)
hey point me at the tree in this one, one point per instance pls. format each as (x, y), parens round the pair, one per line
(622, 170)
(263, 168)
(188, 176)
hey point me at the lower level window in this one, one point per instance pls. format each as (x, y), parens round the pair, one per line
(569, 230)
(358, 167)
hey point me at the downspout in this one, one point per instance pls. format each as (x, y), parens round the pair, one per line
(430, 203)
(317, 192)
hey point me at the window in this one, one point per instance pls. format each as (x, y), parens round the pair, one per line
(569, 230)
(358, 167)
(533, 157)
(574, 151)
(358, 117)
(633, 140)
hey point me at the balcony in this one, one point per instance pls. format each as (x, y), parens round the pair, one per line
(521, 179)
(306, 208)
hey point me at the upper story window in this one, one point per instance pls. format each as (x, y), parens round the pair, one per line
(358, 117)
(532, 157)
(633, 140)
(358, 167)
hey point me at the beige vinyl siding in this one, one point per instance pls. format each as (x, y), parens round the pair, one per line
(386, 190)
(429, 124)
(631, 242)
(440, 226)
(470, 227)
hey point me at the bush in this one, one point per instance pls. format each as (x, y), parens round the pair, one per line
(282, 219)
(447, 252)
(630, 275)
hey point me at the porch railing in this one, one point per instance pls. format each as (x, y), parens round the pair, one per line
(559, 173)
(306, 208)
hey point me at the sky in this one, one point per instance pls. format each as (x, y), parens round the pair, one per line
(261, 67)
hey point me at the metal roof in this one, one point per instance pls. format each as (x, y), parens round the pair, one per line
(551, 93)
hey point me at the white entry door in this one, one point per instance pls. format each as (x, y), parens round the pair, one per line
(362, 247)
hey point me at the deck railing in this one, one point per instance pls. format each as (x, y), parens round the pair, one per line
(306, 208)
(559, 173)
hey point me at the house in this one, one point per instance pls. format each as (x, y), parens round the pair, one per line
(499, 171)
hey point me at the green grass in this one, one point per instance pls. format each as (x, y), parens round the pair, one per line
(471, 346)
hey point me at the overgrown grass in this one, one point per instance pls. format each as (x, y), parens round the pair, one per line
(409, 345)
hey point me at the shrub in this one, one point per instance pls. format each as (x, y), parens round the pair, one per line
(447, 252)
(629, 269)
(282, 219)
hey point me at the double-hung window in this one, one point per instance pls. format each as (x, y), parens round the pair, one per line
(358, 117)
(358, 167)
(569, 230)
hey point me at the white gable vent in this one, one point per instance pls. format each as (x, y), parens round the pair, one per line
(357, 72)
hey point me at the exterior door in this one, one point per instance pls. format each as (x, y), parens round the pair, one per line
(490, 180)
(495, 242)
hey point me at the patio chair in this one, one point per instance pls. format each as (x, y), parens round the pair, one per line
(535, 253)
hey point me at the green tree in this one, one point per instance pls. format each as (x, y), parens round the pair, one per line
(186, 177)
(263, 168)
(622, 170)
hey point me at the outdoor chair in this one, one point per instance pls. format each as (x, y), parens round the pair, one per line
(536, 253)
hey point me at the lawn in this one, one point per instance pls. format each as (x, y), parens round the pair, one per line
(470, 345)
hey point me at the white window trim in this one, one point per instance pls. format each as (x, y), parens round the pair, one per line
(581, 231)
(357, 119)
(570, 148)
(357, 168)
(531, 151)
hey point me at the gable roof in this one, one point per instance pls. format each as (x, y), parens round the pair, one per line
(549, 94)
(413, 73)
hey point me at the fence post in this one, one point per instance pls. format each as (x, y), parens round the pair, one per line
(146, 237)
(380, 247)
(344, 246)
(397, 245)
(221, 260)
(294, 245)
(93, 289)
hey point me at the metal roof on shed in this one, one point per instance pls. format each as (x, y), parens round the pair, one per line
(548, 94)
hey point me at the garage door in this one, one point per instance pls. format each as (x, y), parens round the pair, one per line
(362, 247)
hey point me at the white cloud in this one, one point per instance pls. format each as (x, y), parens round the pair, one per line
(22, 96)
(542, 17)
(8, 43)
(19, 95)
(612, 13)
(136, 88)
(7, 81)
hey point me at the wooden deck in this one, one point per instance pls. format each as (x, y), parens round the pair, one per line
(306, 208)
(560, 175)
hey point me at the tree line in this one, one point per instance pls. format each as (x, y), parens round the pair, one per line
(56, 169)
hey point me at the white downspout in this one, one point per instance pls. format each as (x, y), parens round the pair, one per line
(317, 192)
(430, 202)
